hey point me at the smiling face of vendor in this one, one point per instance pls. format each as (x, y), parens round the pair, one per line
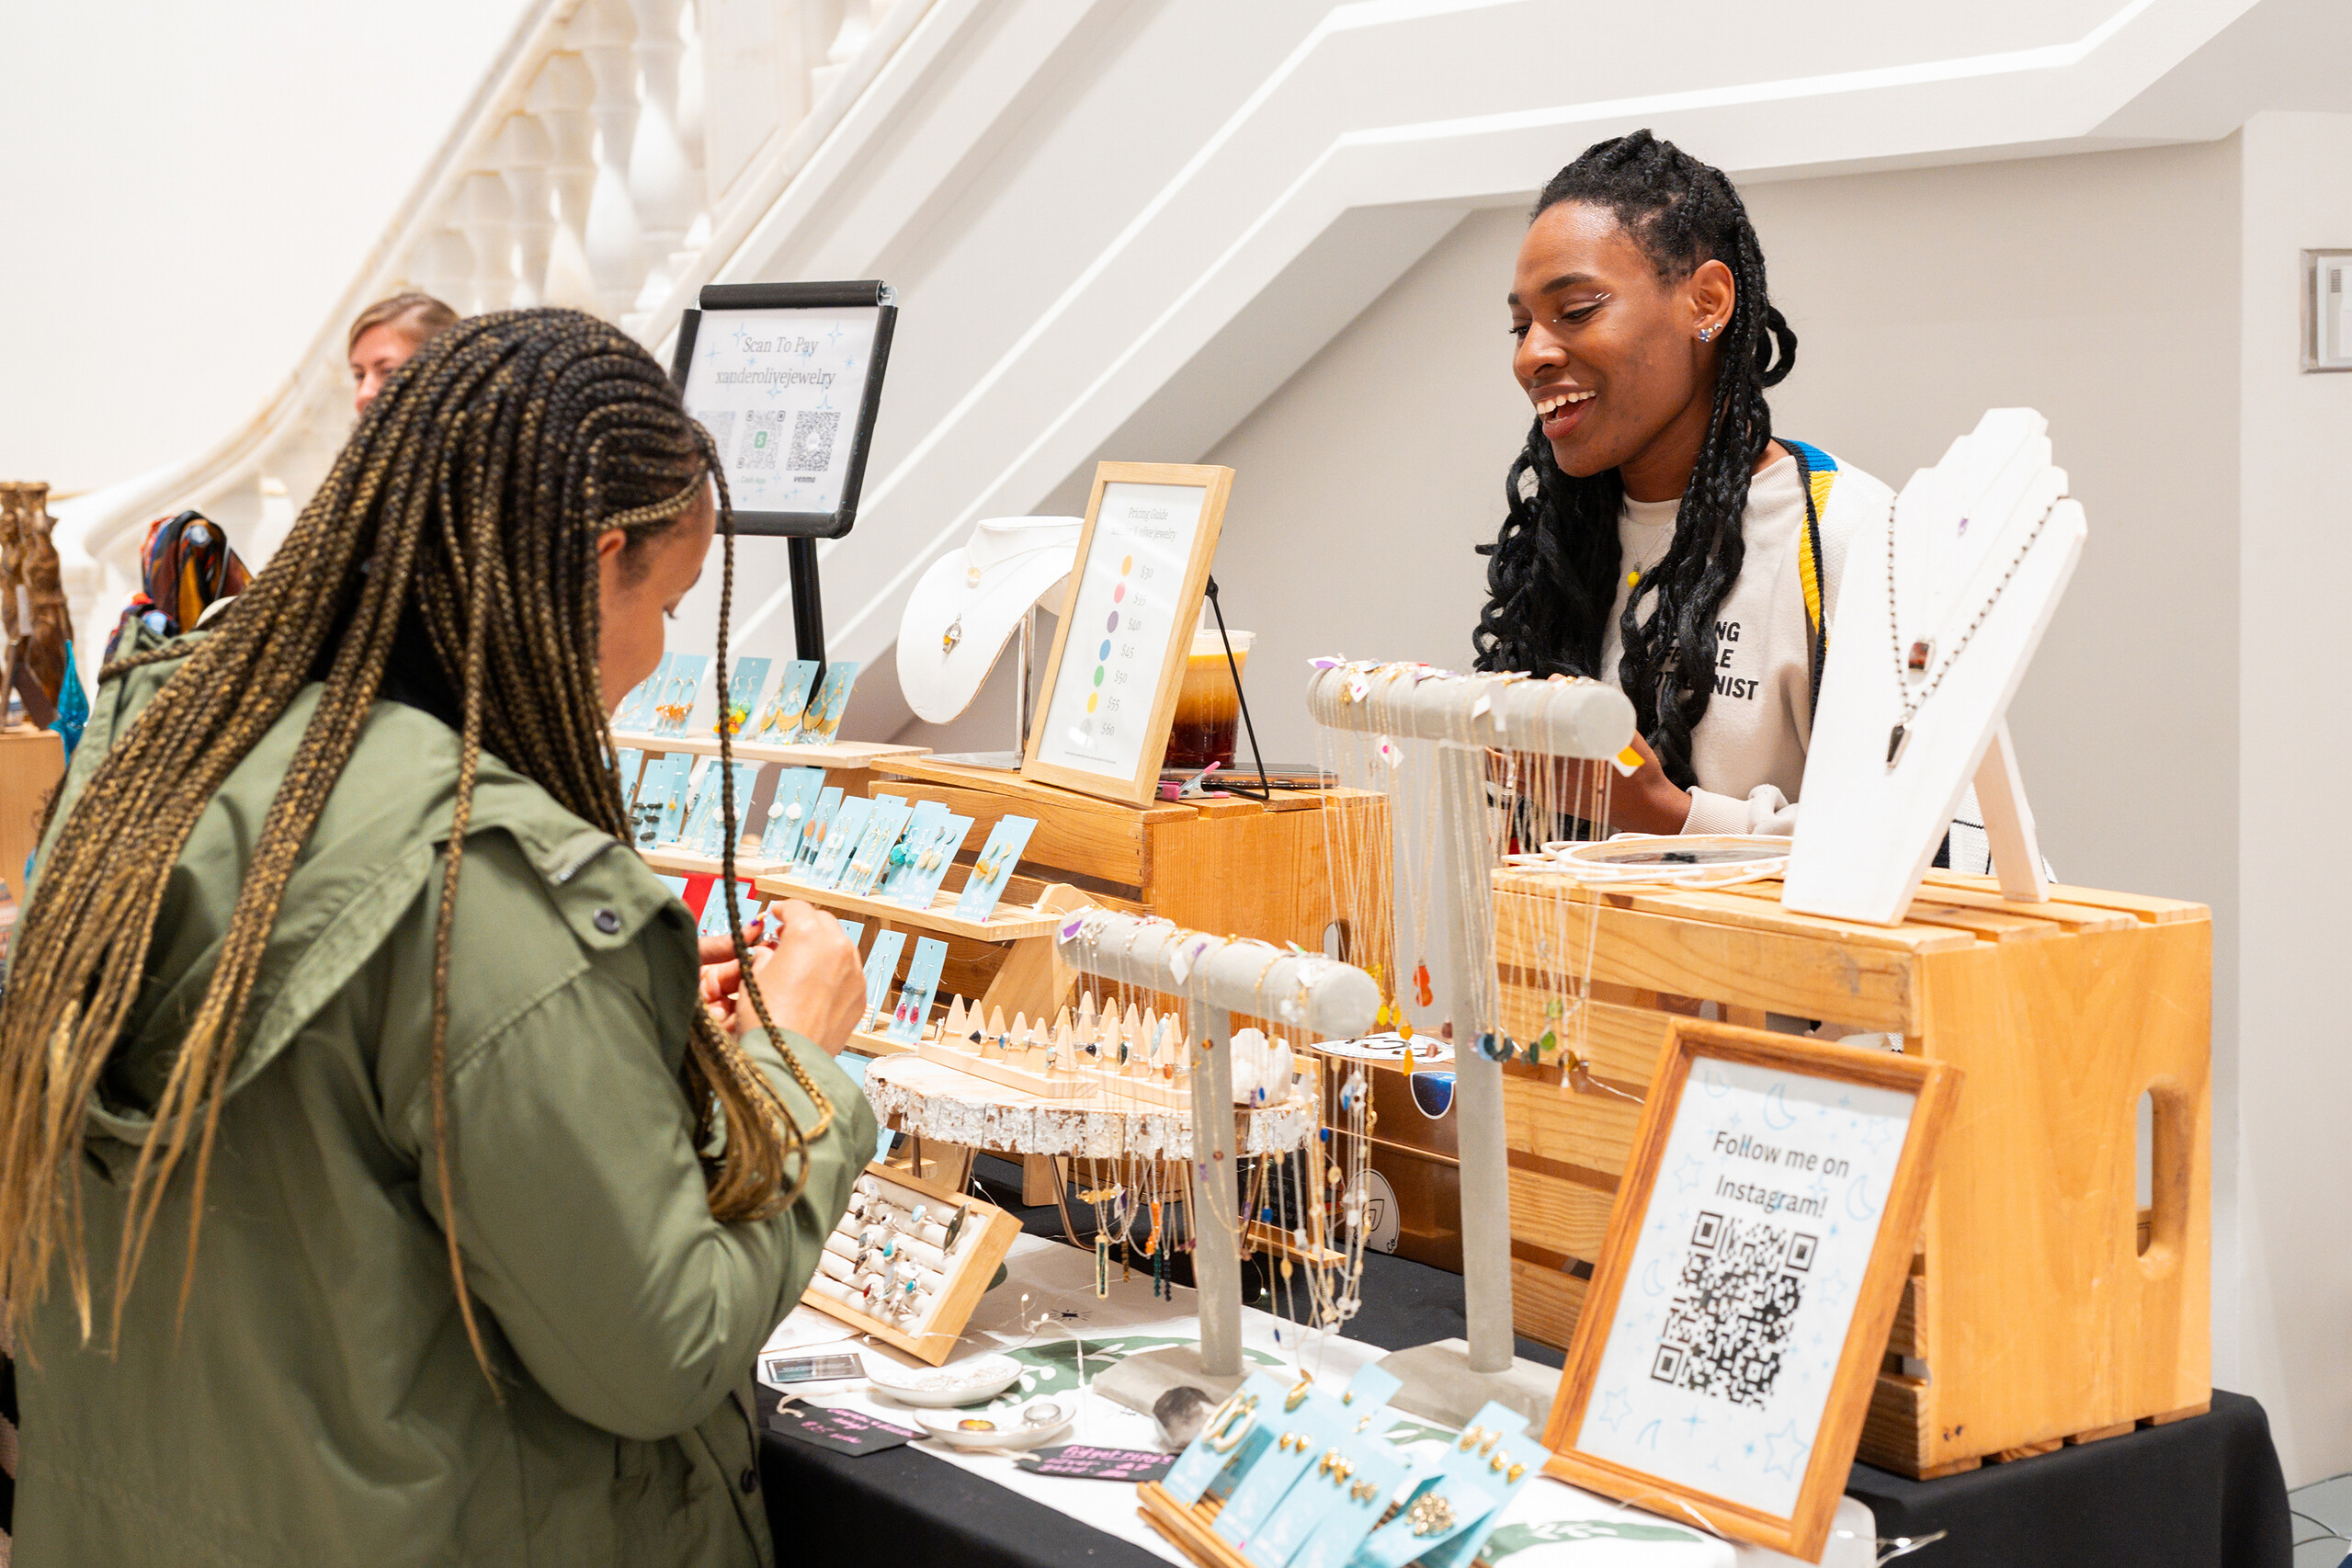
(1610, 352)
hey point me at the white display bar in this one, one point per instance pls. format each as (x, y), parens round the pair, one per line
(1557, 718)
(1335, 1000)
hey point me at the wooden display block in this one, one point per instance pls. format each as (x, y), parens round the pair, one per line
(31, 762)
(996, 1070)
(987, 1236)
(2043, 1306)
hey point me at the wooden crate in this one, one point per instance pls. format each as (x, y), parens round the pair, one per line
(2044, 1306)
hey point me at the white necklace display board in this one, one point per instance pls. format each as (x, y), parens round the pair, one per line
(1937, 617)
(1550, 1523)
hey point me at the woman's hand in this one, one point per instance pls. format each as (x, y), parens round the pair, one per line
(809, 979)
(1649, 801)
(723, 974)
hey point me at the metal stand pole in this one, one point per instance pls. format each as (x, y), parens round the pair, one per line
(1021, 695)
(1216, 1268)
(808, 601)
(1483, 1148)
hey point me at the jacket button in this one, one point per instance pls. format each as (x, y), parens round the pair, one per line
(608, 921)
(750, 1479)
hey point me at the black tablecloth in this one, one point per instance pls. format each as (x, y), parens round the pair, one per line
(2204, 1492)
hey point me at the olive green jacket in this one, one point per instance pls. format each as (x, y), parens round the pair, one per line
(319, 1404)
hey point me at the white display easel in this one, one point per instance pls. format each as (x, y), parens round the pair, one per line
(1451, 1380)
(1867, 832)
(1217, 976)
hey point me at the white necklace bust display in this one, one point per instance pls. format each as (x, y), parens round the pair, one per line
(967, 605)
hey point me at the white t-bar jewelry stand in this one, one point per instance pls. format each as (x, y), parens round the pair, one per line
(1450, 1380)
(1217, 977)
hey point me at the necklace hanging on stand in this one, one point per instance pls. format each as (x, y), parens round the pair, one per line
(1912, 664)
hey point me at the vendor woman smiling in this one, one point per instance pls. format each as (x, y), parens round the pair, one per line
(1658, 535)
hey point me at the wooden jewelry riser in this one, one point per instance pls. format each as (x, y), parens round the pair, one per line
(973, 1258)
(835, 756)
(2043, 1306)
(31, 762)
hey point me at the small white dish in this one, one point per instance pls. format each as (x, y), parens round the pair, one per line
(1032, 1426)
(974, 1381)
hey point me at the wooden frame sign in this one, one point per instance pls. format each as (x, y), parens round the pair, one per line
(1724, 1359)
(1126, 629)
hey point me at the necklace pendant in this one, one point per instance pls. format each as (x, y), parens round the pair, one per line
(1897, 739)
(1923, 654)
(953, 636)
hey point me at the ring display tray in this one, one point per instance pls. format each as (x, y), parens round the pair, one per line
(960, 1271)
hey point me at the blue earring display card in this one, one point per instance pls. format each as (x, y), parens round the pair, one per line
(796, 796)
(841, 836)
(813, 835)
(821, 720)
(681, 686)
(881, 964)
(779, 721)
(636, 711)
(745, 677)
(714, 913)
(706, 831)
(995, 867)
(929, 852)
(914, 1009)
(871, 858)
(661, 778)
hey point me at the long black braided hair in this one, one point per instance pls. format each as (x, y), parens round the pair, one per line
(1553, 572)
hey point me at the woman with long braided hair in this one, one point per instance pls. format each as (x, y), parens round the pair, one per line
(376, 1186)
(1657, 535)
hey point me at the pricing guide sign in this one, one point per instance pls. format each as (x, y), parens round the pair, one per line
(1118, 644)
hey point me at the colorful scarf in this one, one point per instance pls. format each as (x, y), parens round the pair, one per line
(186, 565)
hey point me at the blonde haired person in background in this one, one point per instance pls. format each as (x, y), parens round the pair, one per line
(385, 337)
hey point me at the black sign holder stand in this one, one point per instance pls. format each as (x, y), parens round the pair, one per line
(801, 530)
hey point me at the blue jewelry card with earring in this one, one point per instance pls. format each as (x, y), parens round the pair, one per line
(914, 1009)
(789, 813)
(636, 710)
(881, 962)
(995, 866)
(777, 721)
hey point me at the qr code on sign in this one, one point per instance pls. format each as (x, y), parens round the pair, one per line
(763, 433)
(813, 439)
(1733, 1309)
(721, 426)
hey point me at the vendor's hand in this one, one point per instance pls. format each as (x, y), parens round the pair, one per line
(1649, 801)
(809, 979)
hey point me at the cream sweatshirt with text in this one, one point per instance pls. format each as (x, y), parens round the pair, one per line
(1748, 751)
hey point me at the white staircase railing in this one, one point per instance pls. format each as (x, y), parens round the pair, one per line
(588, 170)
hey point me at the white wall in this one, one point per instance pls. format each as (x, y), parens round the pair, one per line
(181, 218)
(2295, 556)
(2070, 284)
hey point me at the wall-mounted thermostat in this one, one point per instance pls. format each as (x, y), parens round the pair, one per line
(2327, 309)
